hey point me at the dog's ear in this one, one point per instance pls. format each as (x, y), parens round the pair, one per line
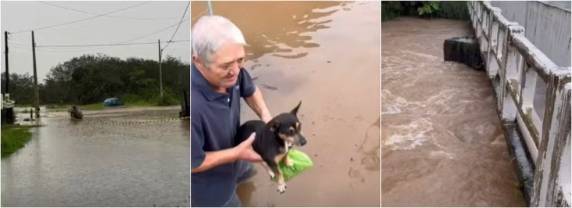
(295, 110)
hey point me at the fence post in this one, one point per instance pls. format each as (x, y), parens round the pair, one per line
(555, 139)
(511, 65)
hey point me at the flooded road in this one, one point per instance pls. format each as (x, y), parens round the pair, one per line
(325, 54)
(114, 157)
(442, 140)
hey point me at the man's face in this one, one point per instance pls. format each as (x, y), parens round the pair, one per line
(223, 71)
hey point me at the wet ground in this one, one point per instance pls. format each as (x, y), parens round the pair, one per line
(442, 139)
(114, 157)
(326, 55)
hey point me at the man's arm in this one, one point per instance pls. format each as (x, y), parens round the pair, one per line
(243, 151)
(257, 104)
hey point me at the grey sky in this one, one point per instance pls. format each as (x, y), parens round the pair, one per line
(139, 21)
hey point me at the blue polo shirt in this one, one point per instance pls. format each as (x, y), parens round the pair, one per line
(215, 118)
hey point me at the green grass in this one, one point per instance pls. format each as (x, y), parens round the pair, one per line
(138, 103)
(14, 137)
(93, 106)
(169, 98)
(128, 102)
(100, 106)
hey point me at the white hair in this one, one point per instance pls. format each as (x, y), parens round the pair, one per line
(210, 32)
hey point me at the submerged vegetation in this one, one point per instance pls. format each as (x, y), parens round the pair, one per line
(426, 9)
(14, 137)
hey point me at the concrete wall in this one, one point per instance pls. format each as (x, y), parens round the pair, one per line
(547, 25)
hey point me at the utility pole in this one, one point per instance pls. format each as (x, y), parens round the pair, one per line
(160, 70)
(36, 91)
(210, 5)
(7, 74)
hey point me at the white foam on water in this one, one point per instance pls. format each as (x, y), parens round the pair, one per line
(409, 136)
(393, 104)
(423, 55)
(442, 153)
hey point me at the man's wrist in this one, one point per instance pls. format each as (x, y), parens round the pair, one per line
(266, 117)
(234, 154)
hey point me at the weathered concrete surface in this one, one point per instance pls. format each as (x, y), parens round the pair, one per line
(327, 55)
(546, 26)
(552, 173)
(442, 141)
(524, 164)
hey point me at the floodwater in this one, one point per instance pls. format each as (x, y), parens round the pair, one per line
(325, 54)
(114, 157)
(443, 143)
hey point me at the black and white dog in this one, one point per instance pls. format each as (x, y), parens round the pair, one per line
(273, 139)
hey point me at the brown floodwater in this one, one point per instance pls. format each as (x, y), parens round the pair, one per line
(442, 141)
(325, 54)
(113, 157)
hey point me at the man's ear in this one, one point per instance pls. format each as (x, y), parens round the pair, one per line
(295, 110)
(195, 60)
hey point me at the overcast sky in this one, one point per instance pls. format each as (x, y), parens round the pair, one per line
(79, 23)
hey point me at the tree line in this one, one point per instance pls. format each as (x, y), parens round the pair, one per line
(426, 9)
(92, 78)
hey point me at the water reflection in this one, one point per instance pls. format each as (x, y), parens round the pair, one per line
(327, 55)
(277, 28)
(118, 157)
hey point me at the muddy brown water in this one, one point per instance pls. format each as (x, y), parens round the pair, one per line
(325, 54)
(442, 143)
(115, 157)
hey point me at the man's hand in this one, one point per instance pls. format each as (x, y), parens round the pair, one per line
(244, 150)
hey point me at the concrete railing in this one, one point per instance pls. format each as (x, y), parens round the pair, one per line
(538, 17)
(533, 92)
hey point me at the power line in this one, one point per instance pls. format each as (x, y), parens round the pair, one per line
(91, 45)
(126, 42)
(103, 44)
(91, 13)
(178, 26)
(79, 20)
(152, 33)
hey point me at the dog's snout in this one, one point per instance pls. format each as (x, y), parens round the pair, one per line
(302, 140)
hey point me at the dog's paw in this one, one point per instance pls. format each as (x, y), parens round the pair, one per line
(281, 188)
(272, 175)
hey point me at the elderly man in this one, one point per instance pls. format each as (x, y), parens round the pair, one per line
(217, 83)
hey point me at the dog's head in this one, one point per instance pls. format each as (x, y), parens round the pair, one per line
(288, 127)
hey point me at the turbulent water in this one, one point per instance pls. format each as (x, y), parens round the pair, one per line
(442, 143)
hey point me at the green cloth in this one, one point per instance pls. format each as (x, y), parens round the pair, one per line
(301, 163)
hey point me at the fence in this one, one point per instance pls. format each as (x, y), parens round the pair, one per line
(532, 91)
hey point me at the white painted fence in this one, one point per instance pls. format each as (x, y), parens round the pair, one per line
(538, 17)
(533, 92)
